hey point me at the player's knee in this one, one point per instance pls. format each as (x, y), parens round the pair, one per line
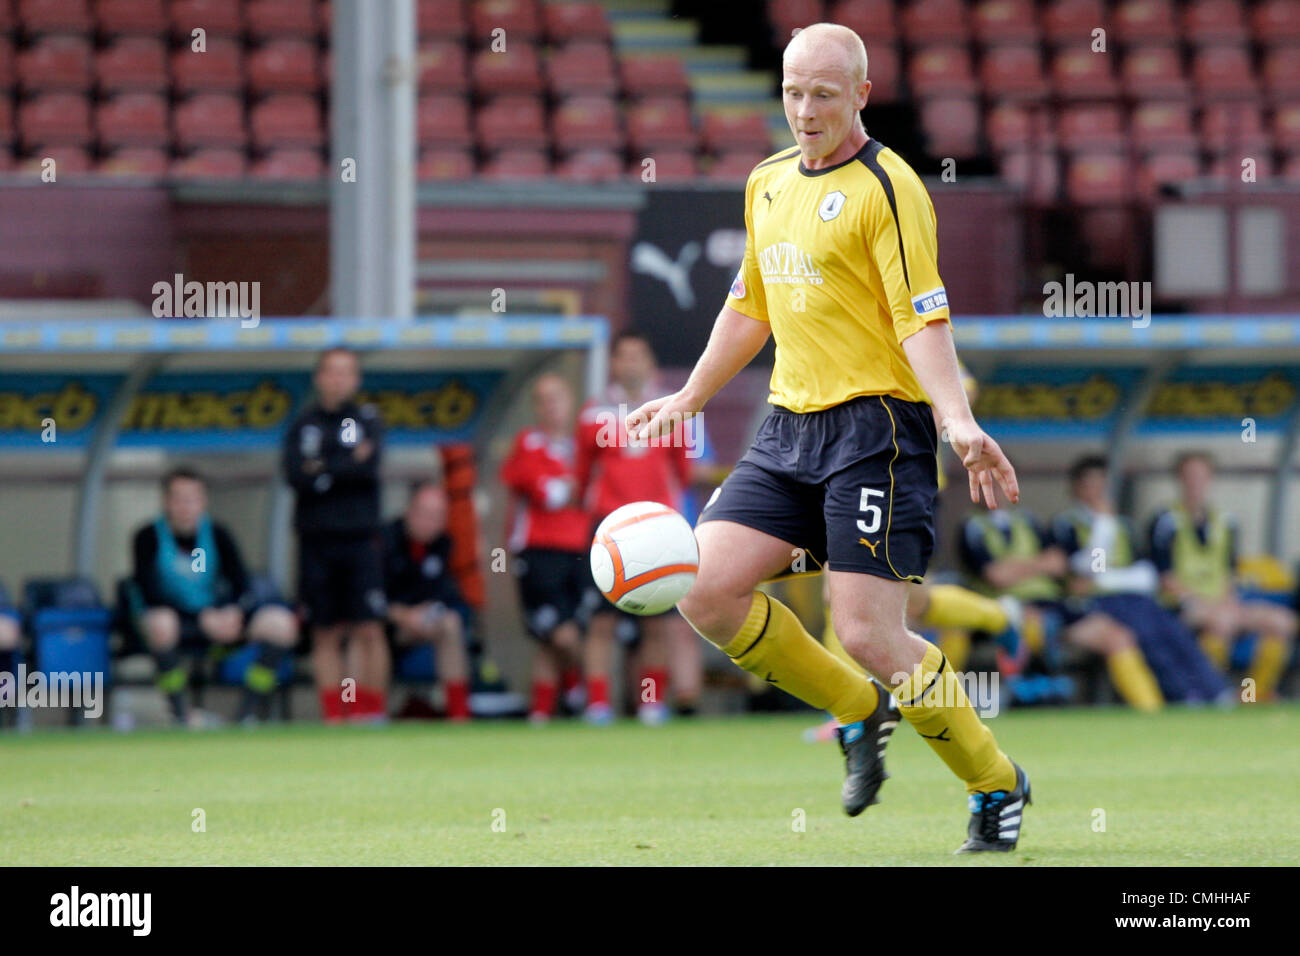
(162, 628)
(1116, 638)
(716, 618)
(9, 633)
(274, 625)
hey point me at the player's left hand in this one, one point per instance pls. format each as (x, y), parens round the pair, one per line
(985, 462)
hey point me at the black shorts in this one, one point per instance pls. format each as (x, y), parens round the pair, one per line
(341, 578)
(853, 486)
(553, 588)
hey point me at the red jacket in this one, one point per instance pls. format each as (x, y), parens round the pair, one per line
(539, 470)
(613, 472)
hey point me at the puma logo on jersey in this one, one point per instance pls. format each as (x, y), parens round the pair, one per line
(769, 197)
(870, 544)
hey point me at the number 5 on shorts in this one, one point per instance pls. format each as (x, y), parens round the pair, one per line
(872, 524)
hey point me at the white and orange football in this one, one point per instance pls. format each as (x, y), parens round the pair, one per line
(644, 557)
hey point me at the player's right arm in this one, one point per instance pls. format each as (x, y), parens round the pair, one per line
(739, 332)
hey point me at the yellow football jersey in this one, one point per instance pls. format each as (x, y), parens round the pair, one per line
(842, 263)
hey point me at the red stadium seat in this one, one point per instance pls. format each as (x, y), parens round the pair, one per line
(951, 127)
(936, 21)
(220, 69)
(211, 164)
(1091, 128)
(1234, 126)
(514, 71)
(516, 164)
(443, 121)
(582, 67)
(133, 119)
(1286, 127)
(69, 162)
(289, 164)
(1154, 72)
(587, 122)
(1276, 21)
(133, 64)
(55, 119)
(941, 71)
(210, 119)
(287, 120)
(1282, 72)
(131, 17)
(789, 15)
(590, 165)
(519, 18)
(55, 63)
(884, 70)
(566, 22)
(441, 20)
(1146, 21)
(8, 64)
(735, 166)
(1214, 21)
(727, 131)
(1013, 72)
(214, 17)
(8, 19)
(1071, 22)
(658, 123)
(1006, 21)
(1098, 178)
(7, 131)
(1164, 167)
(55, 16)
(135, 161)
(443, 67)
(1035, 173)
(281, 18)
(670, 166)
(1011, 127)
(654, 75)
(436, 164)
(511, 122)
(1224, 71)
(1080, 74)
(7, 162)
(1163, 126)
(876, 21)
(284, 66)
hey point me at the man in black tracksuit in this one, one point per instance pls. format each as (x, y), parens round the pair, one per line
(332, 454)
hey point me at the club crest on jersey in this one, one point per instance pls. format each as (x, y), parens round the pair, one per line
(831, 205)
(738, 287)
(929, 301)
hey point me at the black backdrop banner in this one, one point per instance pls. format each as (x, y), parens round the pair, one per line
(688, 247)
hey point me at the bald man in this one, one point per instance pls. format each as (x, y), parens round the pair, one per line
(840, 267)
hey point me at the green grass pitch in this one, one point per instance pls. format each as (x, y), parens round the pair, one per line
(1186, 787)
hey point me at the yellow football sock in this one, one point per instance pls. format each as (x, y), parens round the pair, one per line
(1216, 649)
(955, 644)
(1032, 632)
(1134, 681)
(1271, 654)
(953, 606)
(773, 645)
(933, 701)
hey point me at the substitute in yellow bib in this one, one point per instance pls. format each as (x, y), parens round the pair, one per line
(841, 270)
(1194, 547)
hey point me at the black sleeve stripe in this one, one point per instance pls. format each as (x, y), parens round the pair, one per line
(872, 163)
(788, 154)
